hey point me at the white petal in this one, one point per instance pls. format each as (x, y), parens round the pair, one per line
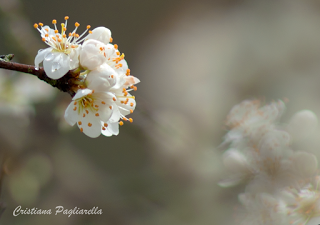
(56, 64)
(232, 181)
(306, 163)
(123, 68)
(82, 92)
(235, 161)
(303, 124)
(125, 108)
(70, 115)
(101, 78)
(113, 128)
(91, 55)
(74, 58)
(105, 112)
(102, 34)
(115, 117)
(90, 124)
(40, 56)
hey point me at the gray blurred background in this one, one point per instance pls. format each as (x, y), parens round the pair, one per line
(195, 60)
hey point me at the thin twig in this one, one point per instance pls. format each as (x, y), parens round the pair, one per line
(62, 84)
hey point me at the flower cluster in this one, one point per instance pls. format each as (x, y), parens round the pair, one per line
(101, 80)
(281, 183)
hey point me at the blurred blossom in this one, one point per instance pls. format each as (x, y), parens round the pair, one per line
(261, 156)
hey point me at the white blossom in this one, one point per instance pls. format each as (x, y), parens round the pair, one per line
(90, 110)
(63, 53)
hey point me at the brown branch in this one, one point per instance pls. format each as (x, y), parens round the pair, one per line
(63, 84)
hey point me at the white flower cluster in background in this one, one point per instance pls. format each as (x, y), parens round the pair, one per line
(281, 184)
(102, 96)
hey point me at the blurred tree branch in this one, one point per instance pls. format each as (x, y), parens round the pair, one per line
(63, 84)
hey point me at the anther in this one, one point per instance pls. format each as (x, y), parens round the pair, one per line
(46, 29)
(114, 99)
(46, 35)
(124, 118)
(131, 110)
(92, 91)
(128, 72)
(81, 129)
(105, 124)
(89, 124)
(84, 115)
(103, 102)
(120, 123)
(88, 27)
(97, 114)
(103, 128)
(43, 39)
(115, 46)
(118, 53)
(75, 103)
(131, 120)
(87, 111)
(111, 40)
(56, 31)
(66, 17)
(90, 32)
(64, 35)
(75, 108)
(96, 106)
(77, 24)
(54, 21)
(79, 122)
(131, 104)
(64, 29)
(123, 90)
(41, 24)
(112, 76)
(110, 107)
(35, 25)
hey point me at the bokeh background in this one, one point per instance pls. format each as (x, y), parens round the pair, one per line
(195, 59)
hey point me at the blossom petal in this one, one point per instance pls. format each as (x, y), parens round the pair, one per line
(90, 124)
(115, 117)
(102, 34)
(92, 54)
(40, 56)
(112, 129)
(56, 64)
(74, 58)
(101, 79)
(82, 92)
(71, 115)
